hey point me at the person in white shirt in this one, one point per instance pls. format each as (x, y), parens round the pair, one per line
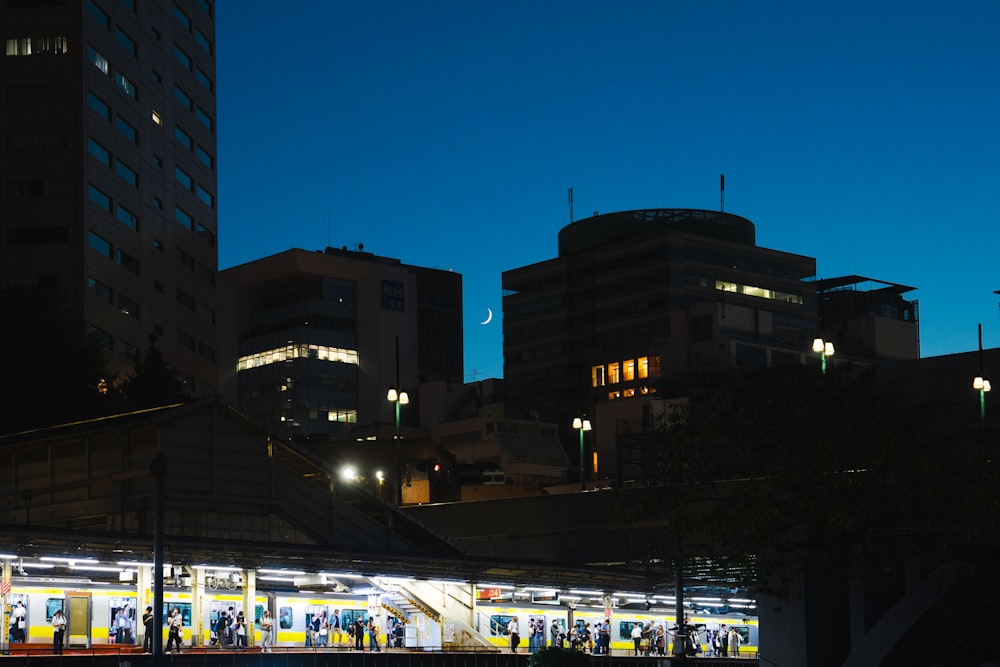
(636, 637)
(266, 632)
(515, 638)
(58, 631)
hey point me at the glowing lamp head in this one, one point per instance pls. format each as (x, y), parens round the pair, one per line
(404, 398)
(818, 345)
(981, 384)
(392, 395)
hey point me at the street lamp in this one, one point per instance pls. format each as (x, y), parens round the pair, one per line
(983, 385)
(399, 397)
(581, 424)
(825, 349)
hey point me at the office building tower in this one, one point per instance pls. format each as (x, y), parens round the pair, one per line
(108, 169)
(314, 340)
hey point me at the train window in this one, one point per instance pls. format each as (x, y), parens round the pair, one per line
(285, 618)
(52, 605)
(744, 633)
(258, 611)
(498, 624)
(185, 609)
(625, 629)
(348, 616)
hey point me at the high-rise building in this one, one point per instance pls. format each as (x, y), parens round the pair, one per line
(637, 298)
(314, 340)
(108, 170)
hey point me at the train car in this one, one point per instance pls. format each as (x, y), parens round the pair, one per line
(493, 622)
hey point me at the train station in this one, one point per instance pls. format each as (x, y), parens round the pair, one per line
(193, 510)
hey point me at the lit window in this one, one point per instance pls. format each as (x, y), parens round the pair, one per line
(629, 368)
(156, 118)
(628, 393)
(125, 84)
(597, 378)
(614, 373)
(99, 61)
(643, 368)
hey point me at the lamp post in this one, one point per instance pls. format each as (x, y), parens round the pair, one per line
(983, 385)
(825, 349)
(581, 424)
(399, 397)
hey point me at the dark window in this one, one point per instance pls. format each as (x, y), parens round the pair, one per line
(206, 196)
(183, 98)
(203, 79)
(183, 137)
(127, 129)
(128, 307)
(202, 40)
(205, 119)
(126, 41)
(100, 244)
(182, 17)
(98, 14)
(183, 177)
(205, 158)
(182, 57)
(128, 262)
(98, 105)
(127, 174)
(127, 218)
(101, 291)
(99, 151)
(98, 197)
(183, 218)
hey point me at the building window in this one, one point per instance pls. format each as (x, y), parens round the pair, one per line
(126, 41)
(158, 203)
(182, 217)
(203, 79)
(128, 307)
(36, 46)
(182, 17)
(202, 41)
(183, 98)
(614, 373)
(183, 137)
(128, 262)
(206, 234)
(127, 218)
(205, 119)
(205, 158)
(100, 244)
(156, 118)
(205, 6)
(98, 105)
(100, 291)
(643, 368)
(125, 85)
(98, 197)
(98, 14)
(628, 367)
(131, 5)
(98, 151)
(99, 61)
(126, 129)
(127, 174)
(597, 376)
(183, 177)
(206, 196)
(182, 57)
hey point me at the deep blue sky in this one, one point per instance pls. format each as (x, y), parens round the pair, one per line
(446, 134)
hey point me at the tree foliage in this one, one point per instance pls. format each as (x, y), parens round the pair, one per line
(54, 373)
(154, 382)
(799, 471)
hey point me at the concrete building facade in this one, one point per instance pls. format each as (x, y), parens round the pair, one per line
(108, 164)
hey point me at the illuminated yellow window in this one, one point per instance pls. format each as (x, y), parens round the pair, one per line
(614, 373)
(597, 376)
(612, 395)
(595, 463)
(629, 367)
(643, 368)
(628, 392)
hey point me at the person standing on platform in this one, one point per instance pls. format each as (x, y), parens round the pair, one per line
(359, 634)
(266, 632)
(336, 629)
(174, 625)
(147, 630)
(58, 631)
(17, 621)
(515, 638)
(373, 644)
(636, 637)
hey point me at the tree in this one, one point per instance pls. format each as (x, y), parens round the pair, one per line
(154, 382)
(55, 373)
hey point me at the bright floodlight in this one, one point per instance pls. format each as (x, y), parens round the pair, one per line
(348, 473)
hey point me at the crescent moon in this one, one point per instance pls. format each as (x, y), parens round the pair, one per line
(489, 316)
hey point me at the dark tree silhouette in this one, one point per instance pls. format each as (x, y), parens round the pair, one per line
(154, 382)
(54, 373)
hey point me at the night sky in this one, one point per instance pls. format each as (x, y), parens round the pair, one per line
(447, 134)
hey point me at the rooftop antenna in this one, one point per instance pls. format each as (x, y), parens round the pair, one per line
(571, 205)
(722, 192)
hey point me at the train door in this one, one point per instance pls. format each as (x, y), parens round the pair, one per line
(78, 617)
(19, 619)
(121, 620)
(220, 635)
(317, 611)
